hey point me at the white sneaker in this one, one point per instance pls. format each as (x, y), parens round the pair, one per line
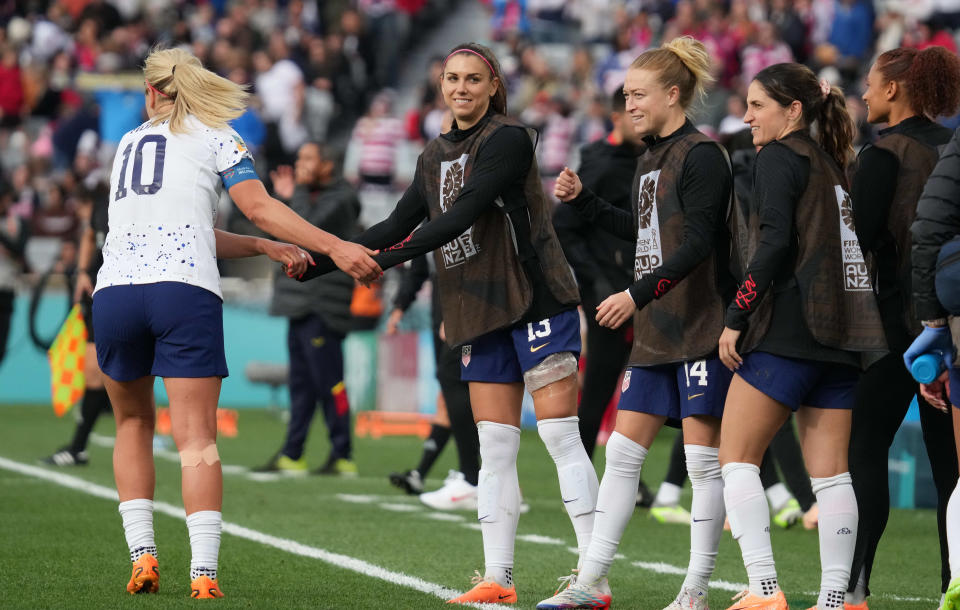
(456, 494)
(689, 599)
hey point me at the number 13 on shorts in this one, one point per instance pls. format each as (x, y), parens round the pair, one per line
(698, 369)
(538, 330)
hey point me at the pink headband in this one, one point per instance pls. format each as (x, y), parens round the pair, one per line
(157, 90)
(492, 72)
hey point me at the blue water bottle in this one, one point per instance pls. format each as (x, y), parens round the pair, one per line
(927, 367)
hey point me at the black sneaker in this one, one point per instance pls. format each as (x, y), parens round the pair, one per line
(408, 481)
(644, 495)
(66, 457)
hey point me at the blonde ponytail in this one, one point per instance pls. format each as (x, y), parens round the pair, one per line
(194, 90)
(683, 62)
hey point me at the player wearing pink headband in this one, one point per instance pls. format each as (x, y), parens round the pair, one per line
(507, 298)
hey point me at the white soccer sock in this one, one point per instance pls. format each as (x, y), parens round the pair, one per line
(498, 498)
(204, 529)
(777, 495)
(667, 495)
(137, 516)
(838, 536)
(578, 479)
(953, 532)
(615, 504)
(749, 517)
(707, 510)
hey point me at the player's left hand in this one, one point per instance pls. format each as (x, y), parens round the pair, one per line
(728, 349)
(295, 260)
(615, 310)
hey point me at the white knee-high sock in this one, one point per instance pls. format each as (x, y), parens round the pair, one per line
(578, 479)
(137, 518)
(953, 531)
(204, 529)
(615, 504)
(708, 511)
(838, 536)
(498, 498)
(749, 516)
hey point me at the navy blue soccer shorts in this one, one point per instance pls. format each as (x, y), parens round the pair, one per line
(676, 391)
(503, 356)
(166, 329)
(797, 382)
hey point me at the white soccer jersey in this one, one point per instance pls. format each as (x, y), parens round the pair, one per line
(164, 189)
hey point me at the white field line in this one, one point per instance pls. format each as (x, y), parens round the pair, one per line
(284, 544)
(444, 517)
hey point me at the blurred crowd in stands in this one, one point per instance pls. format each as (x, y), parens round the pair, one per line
(329, 71)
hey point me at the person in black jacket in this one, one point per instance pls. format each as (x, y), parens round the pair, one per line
(93, 214)
(937, 222)
(602, 262)
(906, 88)
(318, 313)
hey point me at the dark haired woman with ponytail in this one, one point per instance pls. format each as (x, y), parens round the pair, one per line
(806, 312)
(906, 89)
(507, 295)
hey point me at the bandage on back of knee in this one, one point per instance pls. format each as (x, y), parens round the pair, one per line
(191, 458)
(553, 368)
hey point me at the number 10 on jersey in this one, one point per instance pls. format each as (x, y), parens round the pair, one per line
(136, 181)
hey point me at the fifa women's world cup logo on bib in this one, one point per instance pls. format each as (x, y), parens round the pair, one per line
(855, 274)
(649, 254)
(459, 250)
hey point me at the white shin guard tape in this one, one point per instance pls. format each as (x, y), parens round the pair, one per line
(575, 490)
(488, 496)
(553, 368)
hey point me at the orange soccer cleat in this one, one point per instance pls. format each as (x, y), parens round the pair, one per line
(486, 592)
(203, 587)
(748, 601)
(146, 575)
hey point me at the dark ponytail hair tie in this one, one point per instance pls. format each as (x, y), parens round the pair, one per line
(174, 70)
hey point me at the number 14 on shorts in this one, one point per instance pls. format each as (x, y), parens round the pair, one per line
(698, 369)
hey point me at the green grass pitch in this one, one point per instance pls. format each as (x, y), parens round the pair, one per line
(63, 548)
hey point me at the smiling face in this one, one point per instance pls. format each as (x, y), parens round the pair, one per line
(767, 119)
(877, 96)
(650, 106)
(467, 86)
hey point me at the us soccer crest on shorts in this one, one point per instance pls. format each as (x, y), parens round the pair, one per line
(465, 355)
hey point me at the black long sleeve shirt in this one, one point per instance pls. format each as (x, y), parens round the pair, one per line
(872, 190)
(602, 262)
(499, 171)
(780, 177)
(705, 184)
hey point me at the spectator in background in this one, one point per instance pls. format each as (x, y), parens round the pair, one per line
(766, 51)
(852, 33)
(13, 240)
(375, 141)
(11, 88)
(279, 84)
(318, 314)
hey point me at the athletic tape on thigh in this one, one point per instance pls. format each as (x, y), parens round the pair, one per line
(191, 458)
(553, 368)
